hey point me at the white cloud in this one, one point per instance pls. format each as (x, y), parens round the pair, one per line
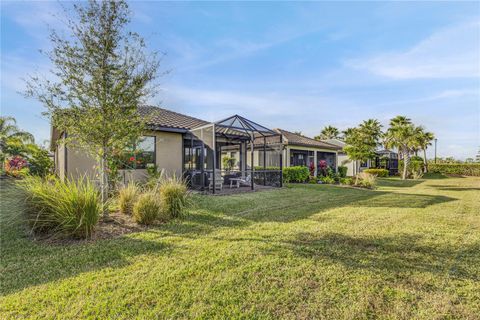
(448, 53)
(228, 49)
(38, 16)
(264, 104)
(443, 95)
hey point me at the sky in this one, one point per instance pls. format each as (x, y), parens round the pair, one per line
(298, 66)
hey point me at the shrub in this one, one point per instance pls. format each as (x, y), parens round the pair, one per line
(311, 169)
(16, 167)
(174, 196)
(365, 180)
(346, 181)
(313, 180)
(70, 208)
(327, 180)
(295, 174)
(228, 163)
(269, 168)
(417, 175)
(464, 169)
(377, 172)
(322, 168)
(39, 160)
(147, 208)
(127, 197)
(415, 166)
(342, 171)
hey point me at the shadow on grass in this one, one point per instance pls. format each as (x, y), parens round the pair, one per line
(25, 263)
(446, 188)
(388, 255)
(434, 175)
(301, 205)
(201, 223)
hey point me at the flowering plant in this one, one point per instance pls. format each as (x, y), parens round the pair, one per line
(16, 166)
(323, 165)
(312, 169)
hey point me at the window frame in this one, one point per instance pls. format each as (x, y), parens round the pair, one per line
(154, 154)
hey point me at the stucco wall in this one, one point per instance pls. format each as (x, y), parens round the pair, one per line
(169, 152)
(168, 156)
(60, 161)
(350, 164)
(79, 164)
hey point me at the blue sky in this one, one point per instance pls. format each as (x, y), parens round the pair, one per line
(296, 66)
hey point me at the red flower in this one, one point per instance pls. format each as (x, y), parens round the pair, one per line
(132, 159)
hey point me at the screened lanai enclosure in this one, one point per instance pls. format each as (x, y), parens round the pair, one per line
(232, 154)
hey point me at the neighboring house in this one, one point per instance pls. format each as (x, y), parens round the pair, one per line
(353, 167)
(386, 159)
(302, 151)
(162, 145)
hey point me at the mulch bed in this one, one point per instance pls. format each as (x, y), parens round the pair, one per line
(116, 226)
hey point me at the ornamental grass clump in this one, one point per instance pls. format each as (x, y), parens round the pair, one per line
(174, 196)
(147, 208)
(65, 209)
(127, 197)
(366, 180)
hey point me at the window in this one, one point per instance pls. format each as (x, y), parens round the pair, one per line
(139, 156)
(311, 158)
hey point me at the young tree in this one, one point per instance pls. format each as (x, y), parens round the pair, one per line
(329, 132)
(101, 75)
(362, 141)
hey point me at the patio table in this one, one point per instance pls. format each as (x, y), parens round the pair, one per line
(237, 182)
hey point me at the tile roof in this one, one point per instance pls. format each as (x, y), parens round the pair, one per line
(158, 118)
(336, 142)
(299, 140)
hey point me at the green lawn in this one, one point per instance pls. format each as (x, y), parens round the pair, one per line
(406, 250)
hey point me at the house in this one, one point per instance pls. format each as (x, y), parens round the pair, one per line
(353, 167)
(183, 146)
(197, 149)
(161, 145)
(385, 159)
(300, 150)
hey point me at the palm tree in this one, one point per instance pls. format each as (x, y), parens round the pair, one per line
(424, 139)
(396, 122)
(9, 131)
(329, 132)
(402, 135)
(372, 126)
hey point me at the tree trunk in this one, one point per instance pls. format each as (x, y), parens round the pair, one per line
(104, 184)
(406, 162)
(425, 164)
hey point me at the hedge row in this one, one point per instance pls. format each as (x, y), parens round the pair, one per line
(295, 174)
(464, 169)
(377, 172)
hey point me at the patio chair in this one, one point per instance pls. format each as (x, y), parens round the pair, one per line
(247, 181)
(218, 181)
